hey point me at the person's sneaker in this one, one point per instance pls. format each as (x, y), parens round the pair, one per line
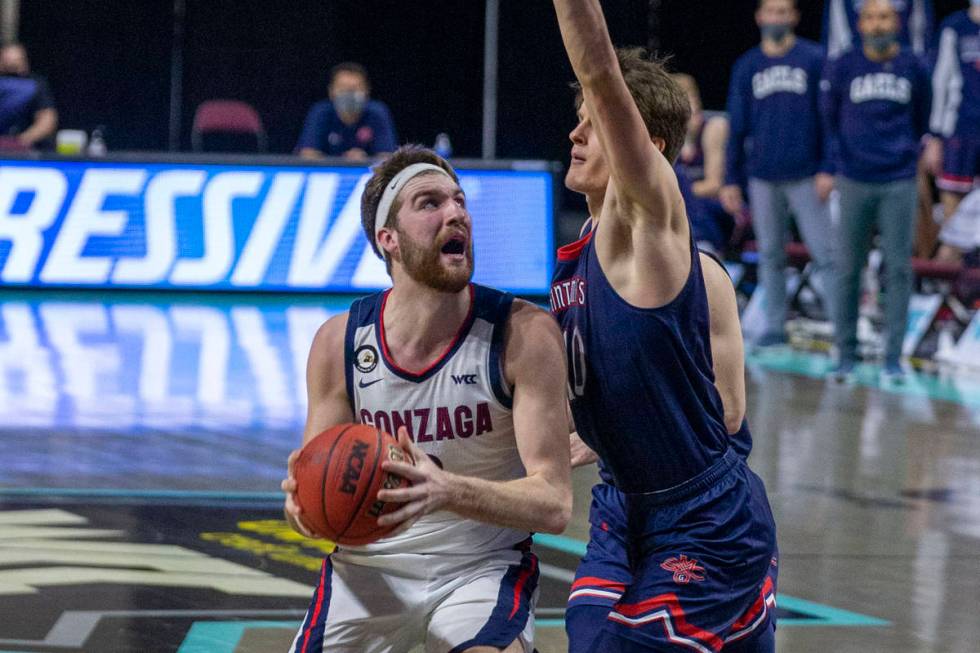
(842, 371)
(771, 339)
(893, 373)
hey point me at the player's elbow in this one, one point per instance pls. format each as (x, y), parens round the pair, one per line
(558, 516)
(733, 421)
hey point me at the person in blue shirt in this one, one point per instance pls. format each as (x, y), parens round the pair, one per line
(953, 154)
(700, 170)
(27, 110)
(876, 107)
(840, 25)
(349, 124)
(777, 146)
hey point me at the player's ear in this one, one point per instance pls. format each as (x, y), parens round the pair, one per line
(659, 143)
(387, 241)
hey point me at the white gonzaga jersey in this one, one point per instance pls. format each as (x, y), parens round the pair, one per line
(458, 411)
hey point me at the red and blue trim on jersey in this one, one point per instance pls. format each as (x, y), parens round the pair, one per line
(513, 609)
(310, 637)
(485, 303)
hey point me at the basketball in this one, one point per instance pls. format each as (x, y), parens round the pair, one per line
(338, 476)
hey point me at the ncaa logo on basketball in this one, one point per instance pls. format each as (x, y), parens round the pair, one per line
(366, 358)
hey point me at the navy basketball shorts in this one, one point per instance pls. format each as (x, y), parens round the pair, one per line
(692, 568)
(961, 163)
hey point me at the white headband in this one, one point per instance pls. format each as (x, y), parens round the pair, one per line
(395, 187)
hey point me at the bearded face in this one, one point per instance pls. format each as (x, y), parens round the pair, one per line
(446, 265)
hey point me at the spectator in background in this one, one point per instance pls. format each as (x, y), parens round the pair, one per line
(27, 111)
(775, 124)
(840, 25)
(701, 167)
(953, 154)
(961, 232)
(349, 124)
(876, 107)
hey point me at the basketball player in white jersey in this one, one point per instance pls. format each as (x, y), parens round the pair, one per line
(469, 378)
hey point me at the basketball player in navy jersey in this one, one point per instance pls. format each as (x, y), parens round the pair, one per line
(631, 299)
(466, 376)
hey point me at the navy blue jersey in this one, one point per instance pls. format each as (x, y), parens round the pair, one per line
(20, 99)
(956, 78)
(876, 113)
(640, 381)
(323, 130)
(773, 102)
(840, 19)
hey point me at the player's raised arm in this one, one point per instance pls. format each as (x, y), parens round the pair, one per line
(642, 177)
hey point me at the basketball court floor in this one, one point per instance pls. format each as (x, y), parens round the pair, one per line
(143, 438)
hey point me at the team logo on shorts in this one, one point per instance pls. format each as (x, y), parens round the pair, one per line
(366, 358)
(685, 569)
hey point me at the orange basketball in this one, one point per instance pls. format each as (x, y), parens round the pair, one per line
(338, 476)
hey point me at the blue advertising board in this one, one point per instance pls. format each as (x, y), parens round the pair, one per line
(124, 224)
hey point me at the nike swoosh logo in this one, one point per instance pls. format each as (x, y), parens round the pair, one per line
(362, 384)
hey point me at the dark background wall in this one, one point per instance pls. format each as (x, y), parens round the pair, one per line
(108, 61)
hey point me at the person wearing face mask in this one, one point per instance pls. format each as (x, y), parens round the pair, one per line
(777, 146)
(953, 152)
(28, 118)
(916, 19)
(349, 124)
(875, 103)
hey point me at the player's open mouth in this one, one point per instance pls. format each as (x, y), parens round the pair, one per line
(455, 245)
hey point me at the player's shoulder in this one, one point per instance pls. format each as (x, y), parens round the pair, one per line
(528, 321)
(532, 337)
(329, 340)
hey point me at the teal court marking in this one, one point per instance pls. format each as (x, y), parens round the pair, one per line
(823, 615)
(963, 389)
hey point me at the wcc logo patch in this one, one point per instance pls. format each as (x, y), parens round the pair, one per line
(684, 569)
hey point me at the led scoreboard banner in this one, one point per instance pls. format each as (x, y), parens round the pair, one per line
(244, 224)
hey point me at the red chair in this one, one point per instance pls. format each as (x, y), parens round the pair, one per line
(12, 144)
(227, 116)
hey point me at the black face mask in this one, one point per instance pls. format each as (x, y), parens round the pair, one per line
(881, 42)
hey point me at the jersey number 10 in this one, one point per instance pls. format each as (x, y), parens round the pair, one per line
(575, 352)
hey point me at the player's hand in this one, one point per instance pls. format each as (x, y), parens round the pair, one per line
(933, 156)
(292, 510)
(431, 487)
(581, 453)
(823, 183)
(731, 200)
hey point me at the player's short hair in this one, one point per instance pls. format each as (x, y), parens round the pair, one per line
(350, 67)
(663, 104)
(383, 173)
(689, 84)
